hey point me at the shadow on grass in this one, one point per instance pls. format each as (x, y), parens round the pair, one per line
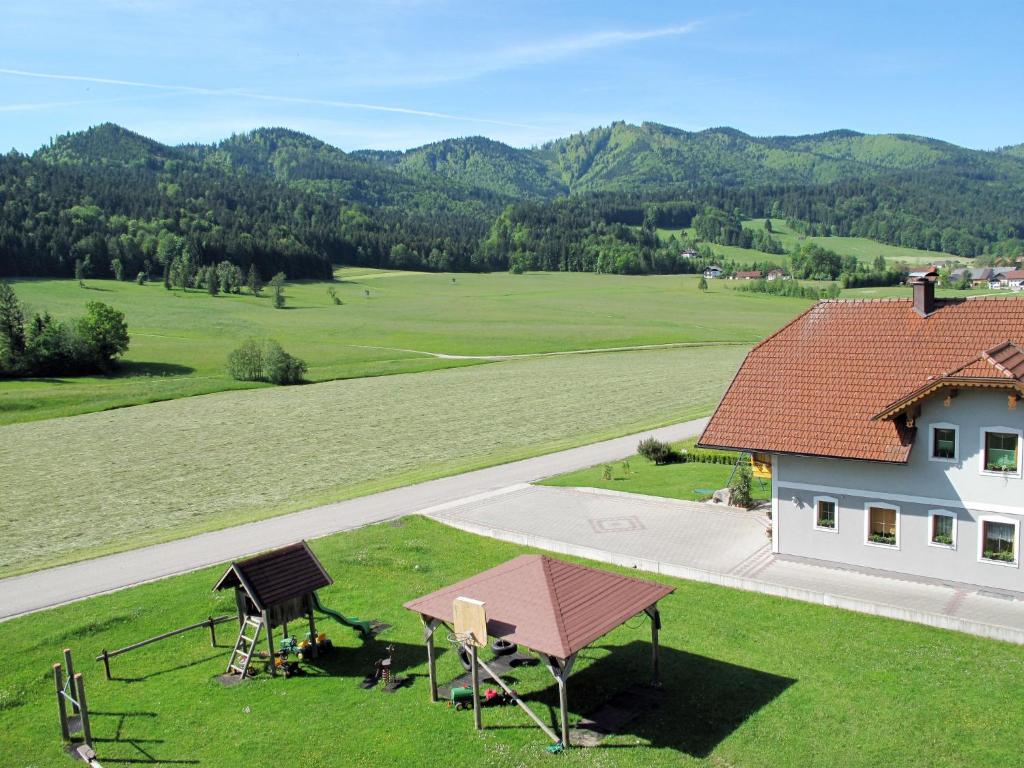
(359, 661)
(195, 663)
(127, 368)
(143, 754)
(704, 700)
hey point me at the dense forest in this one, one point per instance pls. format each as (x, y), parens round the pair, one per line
(114, 202)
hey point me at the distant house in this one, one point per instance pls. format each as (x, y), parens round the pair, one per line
(1015, 279)
(979, 276)
(689, 253)
(895, 435)
(713, 272)
(777, 274)
(754, 274)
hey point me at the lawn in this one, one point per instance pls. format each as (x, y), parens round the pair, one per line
(387, 323)
(123, 478)
(693, 481)
(749, 680)
(861, 247)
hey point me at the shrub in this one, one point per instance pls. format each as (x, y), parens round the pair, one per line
(265, 361)
(655, 450)
(141, 278)
(739, 487)
(280, 367)
(246, 362)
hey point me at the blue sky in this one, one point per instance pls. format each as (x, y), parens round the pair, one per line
(400, 73)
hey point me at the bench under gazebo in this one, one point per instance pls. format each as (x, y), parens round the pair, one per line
(549, 606)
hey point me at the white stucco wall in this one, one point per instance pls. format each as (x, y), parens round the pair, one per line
(959, 487)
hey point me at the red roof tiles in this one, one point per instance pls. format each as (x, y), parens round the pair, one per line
(815, 386)
(550, 606)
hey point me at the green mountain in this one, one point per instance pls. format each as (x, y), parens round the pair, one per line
(283, 200)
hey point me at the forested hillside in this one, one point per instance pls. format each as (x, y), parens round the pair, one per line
(284, 201)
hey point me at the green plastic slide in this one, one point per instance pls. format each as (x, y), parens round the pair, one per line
(363, 627)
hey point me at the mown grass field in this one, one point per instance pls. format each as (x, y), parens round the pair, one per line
(861, 247)
(693, 481)
(180, 340)
(117, 479)
(749, 680)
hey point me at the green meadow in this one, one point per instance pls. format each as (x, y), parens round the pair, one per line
(692, 481)
(134, 476)
(748, 680)
(387, 323)
(860, 247)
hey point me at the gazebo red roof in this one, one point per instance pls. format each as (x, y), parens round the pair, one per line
(548, 605)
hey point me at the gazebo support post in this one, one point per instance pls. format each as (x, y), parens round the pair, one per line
(429, 625)
(561, 669)
(655, 616)
(522, 704)
(474, 677)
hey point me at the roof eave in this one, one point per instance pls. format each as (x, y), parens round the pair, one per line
(897, 407)
(806, 454)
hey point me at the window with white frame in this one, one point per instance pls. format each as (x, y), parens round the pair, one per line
(997, 540)
(826, 513)
(942, 528)
(882, 524)
(1000, 451)
(945, 442)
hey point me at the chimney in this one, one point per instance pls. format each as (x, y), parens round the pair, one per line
(924, 296)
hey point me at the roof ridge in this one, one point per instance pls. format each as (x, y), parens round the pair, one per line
(546, 563)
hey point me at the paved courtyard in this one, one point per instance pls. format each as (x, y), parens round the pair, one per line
(724, 546)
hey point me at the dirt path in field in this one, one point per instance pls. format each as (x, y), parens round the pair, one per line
(495, 358)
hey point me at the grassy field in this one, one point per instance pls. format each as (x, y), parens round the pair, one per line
(749, 680)
(133, 476)
(692, 481)
(861, 247)
(180, 341)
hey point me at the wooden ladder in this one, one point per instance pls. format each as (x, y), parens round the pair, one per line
(245, 646)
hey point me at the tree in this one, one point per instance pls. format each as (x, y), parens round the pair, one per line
(212, 281)
(277, 283)
(768, 225)
(740, 485)
(254, 282)
(702, 284)
(105, 333)
(82, 269)
(167, 276)
(141, 278)
(117, 267)
(12, 327)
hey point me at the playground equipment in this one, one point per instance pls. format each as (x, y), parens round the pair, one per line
(211, 622)
(273, 589)
(71, 690)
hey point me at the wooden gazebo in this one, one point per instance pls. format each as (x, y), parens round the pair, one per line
(270, 590)
(551, 607)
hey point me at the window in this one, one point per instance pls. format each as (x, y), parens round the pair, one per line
(882, 525)
(945, 442)
(997, 542)
(942, 528)
(1000, 453)
(826, 514)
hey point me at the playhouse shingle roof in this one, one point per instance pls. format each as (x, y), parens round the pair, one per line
(817, 386)
(548, 605)
(277, 576)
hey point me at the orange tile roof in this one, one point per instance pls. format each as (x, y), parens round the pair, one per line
(815, 386)
(548, 605)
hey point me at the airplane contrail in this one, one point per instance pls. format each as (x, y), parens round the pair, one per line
(263, 97)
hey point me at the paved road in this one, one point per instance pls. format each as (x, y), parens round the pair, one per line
(704, 542)
(56, 586)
